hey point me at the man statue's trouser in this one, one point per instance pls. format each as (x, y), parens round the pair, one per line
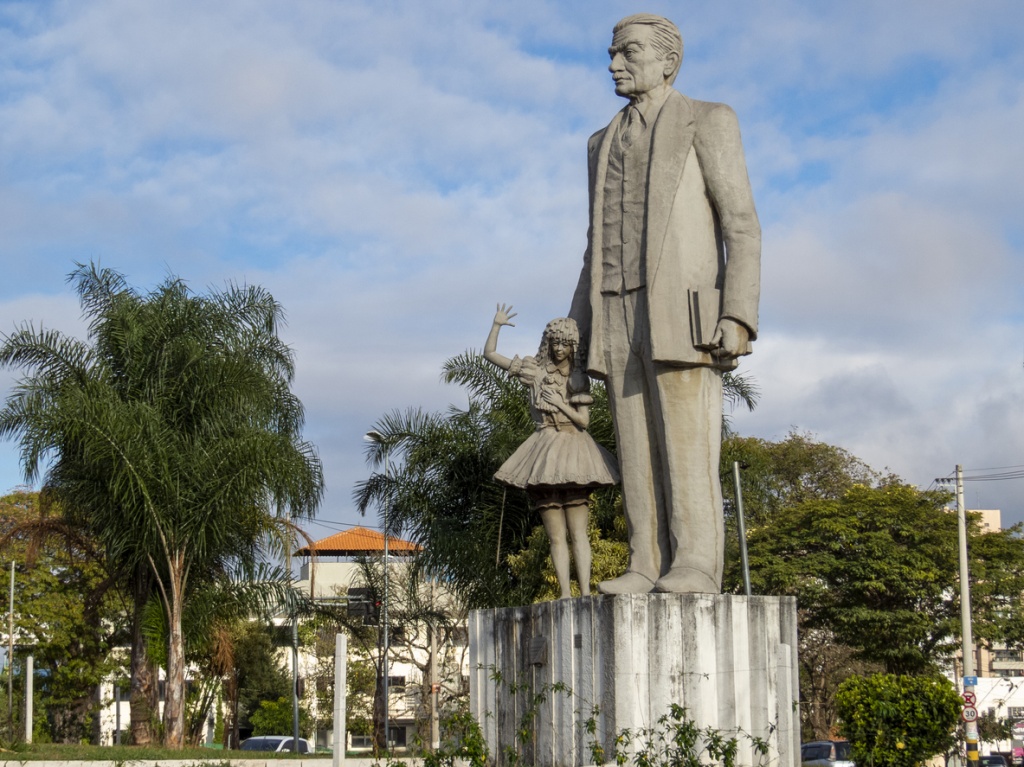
(668, 429)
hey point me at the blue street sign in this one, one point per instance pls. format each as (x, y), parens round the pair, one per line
(970, 681)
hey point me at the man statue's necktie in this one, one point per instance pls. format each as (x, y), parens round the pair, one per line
(633, 128)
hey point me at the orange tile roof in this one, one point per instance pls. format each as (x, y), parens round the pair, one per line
(357, 541)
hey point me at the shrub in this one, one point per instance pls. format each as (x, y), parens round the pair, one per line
(897, 721)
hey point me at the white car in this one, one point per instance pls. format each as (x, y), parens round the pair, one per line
(274, 743)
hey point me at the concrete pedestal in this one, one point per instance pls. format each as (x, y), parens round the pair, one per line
(542, 669)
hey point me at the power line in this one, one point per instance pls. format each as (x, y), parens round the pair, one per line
(996, 477)
(339, 525)
(1017, 473)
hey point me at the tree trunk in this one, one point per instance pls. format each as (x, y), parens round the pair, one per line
(143, 694)
(174, 698)
(230, 738)
(234, 717)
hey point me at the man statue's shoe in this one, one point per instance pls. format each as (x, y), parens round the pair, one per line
(686, 580)
(630, 583)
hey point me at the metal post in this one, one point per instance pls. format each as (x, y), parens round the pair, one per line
(340, 694)
(10, 657)
(117, 711)
(295, 646)
(741, 525)
(294, 619)
(29, 692)
(295, 682)
(971, 733)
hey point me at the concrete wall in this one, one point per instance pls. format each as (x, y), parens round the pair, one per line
(730, 661)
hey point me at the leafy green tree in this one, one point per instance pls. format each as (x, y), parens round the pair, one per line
(780, 475)
(173, 435)
(66, 609)
(872, 562)
(261, 676)
(997, 581)
(878, 568)
(991, 729)
(898, 721)
(361, 676)
(274, 717)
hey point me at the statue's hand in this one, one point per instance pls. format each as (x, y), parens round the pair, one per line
(553, 397)
(504, 315)
(731, 338)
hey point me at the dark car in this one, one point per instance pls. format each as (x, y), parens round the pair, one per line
(826, 753)
(274, 743)
(993, 760)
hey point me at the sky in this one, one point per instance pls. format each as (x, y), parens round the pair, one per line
(390, 170)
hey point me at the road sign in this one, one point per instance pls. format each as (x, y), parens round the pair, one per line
(969, 714)
(970, 698)
(970, 681)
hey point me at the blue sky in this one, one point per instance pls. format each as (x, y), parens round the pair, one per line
(391, 170)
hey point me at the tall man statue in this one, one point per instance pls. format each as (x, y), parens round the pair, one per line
(667, 300)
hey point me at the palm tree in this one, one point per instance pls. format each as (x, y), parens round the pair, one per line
(442, 495)
(173, 435)
(737, 389)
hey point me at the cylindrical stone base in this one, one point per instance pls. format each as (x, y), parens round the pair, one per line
(554, 679)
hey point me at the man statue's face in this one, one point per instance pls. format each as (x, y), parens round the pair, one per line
(636, 68)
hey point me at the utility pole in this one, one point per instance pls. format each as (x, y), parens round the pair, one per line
(970, 678)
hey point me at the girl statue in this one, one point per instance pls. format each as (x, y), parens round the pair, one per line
(560, 463)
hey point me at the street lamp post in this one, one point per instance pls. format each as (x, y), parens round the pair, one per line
(376, 436)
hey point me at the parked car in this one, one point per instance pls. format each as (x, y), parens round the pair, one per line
(274, 743)
(826, 753)
(993, 760)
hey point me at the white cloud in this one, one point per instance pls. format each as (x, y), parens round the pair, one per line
(389, 173)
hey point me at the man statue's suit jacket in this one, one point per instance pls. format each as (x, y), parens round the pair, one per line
(702, 239)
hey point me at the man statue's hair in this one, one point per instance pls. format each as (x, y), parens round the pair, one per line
(665, 37)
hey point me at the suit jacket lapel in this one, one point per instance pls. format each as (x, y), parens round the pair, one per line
(598, 161)
(599, 149)
(671, 139)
